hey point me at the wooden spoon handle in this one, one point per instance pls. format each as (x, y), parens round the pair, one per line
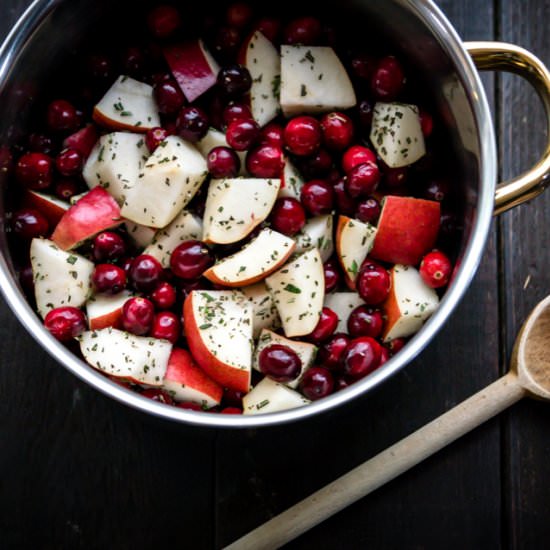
(384, 467)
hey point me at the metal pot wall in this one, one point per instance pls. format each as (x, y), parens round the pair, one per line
(50, 30)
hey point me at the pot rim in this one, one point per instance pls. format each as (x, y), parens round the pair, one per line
(447, 36)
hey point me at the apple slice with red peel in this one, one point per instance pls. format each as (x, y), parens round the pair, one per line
(116, 162)
(264, 309)
(75, 198)
(343, 303)
(298, 290)
(52, 207)
(218, 327)
(97, 211)
(410, 303)
(185, 227)
(235, 206)
(258, 259)
(120, 354)
(169, 180)
(317, 233)
(291, 181)
(215, 138)
(82, 141)
(263, 62)
(128, 105)
(185, 381)
(313, 80)
(407, 229)
(396, 133)
(60, 278)
(105, 310)
(193, 67)
(305, 351)
(141, 235)
(354, 241)
(269, 397)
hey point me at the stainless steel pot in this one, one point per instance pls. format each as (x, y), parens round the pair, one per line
(422, 36)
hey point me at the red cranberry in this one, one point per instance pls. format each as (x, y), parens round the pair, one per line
(190, 260)
(317, 382)
(156, 394)
(145, 273)
(436, 190)
(355, 156)
(325, 327)
(234, 80)
(341, 383)
(384, 355)
(242, 134)
(396, 345)
(163, 21)
(269, 27)
(449, 230)
(192, 124)
(362, 180)
(365, 321)
(303, 135)
(133, 62)
(436, 269)
(65, 323)
(69, 162)
(287, 216)
(368, 211)
(108, 246)
(332, 351)
(239, 15)
(280, 363)
(164, 296)
(317, 196)
(373, 283)
(101, 68)
(189, 405)
(126, 264)
(332, 276)
(365, 111)
(34, 170)
(361, 357)
(346, 205)
(154, 137)
(138, 315)
(28, 224)
(233, 398)
(363, 66)
(166, 326)
(223, 162)
(317, 165)
(226, 43)
(169, 97)
(337, 131)
(26, 280)
(66, 188)
(231, 410)
(388, 79)
(41, 143)
(426, 123)
(109, 278)
(265, 161)
(303, 30)
(272, 134)
(62, 116)
(236, 111)
(395, 177)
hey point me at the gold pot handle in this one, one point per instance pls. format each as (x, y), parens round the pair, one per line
(511, 58)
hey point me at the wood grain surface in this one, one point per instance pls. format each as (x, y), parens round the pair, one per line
(80, 471)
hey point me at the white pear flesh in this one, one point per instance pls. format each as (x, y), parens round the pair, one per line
(291, 181)
(343, 303)
(317, 233)
(354, 240)
(269, 397)
(265, 313)
(103, 306)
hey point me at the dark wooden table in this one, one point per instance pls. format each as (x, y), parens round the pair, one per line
(78, 470)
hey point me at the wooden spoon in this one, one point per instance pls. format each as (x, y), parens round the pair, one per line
(529, 376)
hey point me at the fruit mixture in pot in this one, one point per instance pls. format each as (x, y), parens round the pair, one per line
(239, 222)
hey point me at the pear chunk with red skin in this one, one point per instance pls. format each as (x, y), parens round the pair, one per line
(263, 62)
(169, 180)
(83, 141)
(264, 309)
(258, 259)
(60, 278)
(269, 396)
(291, 181)
(410, 303)
(218, 328)
(343, 303)
(120, 354)
(298, 290)
(128, 105)
(354, 241)
(97, 211)
(235, 206)
(105, 310)
(185, 381)
(407, 229)
(52, 207)
(194, 69)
